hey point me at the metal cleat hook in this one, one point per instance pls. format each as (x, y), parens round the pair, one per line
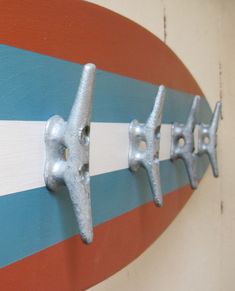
(182, 142)
(145, 144)
(207, 138)
(67, 153)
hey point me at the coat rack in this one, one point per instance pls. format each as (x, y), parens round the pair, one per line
(67, 147)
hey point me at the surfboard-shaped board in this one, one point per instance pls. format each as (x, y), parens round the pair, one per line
(44, 45)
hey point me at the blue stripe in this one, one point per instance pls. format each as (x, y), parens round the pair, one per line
(37, 218)
(34, 87)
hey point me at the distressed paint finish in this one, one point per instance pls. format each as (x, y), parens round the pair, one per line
(123, 48)
(201, 33)
(71, 265)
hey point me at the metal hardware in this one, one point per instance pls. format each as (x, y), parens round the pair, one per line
(182, 143)
(67, 153)
(144, 146)
(207, 138)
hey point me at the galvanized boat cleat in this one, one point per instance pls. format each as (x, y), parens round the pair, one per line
(182, 142)
(67, 153)
(207, 139)
(145, 144)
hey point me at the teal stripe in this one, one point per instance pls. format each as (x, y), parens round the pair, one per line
(38, 218)
(34, 87)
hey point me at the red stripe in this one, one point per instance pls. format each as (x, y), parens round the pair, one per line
(83, 32)
(71, 265)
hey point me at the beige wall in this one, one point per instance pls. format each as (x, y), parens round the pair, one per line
(197, 251)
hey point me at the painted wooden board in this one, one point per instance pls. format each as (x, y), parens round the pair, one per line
(44, 45)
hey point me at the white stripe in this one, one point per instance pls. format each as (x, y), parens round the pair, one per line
(108, 148)
(22, 152)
